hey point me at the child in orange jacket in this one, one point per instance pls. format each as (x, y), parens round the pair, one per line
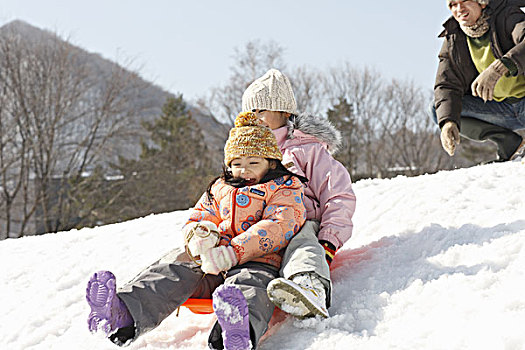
(236, 232)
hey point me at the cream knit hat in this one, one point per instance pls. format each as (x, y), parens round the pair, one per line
(250, 138)
(272, 92)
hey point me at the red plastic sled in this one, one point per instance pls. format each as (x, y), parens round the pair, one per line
(204, 306)
(199, 306)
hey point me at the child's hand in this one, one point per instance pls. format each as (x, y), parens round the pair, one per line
(329, 249)
(200, 236)
(218, 259)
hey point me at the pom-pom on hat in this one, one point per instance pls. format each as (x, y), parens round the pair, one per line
(273, 92)
(250, 138)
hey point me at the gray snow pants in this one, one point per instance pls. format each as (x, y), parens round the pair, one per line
(166, 284)
(305, 254)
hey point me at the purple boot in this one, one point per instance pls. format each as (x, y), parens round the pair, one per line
(107, 310)
(232, 313)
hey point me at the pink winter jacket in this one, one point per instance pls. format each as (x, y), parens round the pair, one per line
(329, 197)
(257, 221)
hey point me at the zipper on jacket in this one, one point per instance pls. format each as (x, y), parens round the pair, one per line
(234, 202)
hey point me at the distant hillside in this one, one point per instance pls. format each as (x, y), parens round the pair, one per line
(151, 95)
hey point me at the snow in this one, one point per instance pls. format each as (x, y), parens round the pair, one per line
(435, 262)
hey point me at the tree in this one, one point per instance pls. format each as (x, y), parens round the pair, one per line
(362, 89)
(250, 62)
(62, 114)
(308, 90)
(412, 148)
(13, 163)
(172, 171)
(392, 132)
(342, 116)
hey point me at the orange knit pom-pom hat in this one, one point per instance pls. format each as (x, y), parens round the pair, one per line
(250, 138)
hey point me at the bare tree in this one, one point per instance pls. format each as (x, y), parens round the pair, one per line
(65, 114)
(15, 153)
(308, 90)
(13, 161)
(409, 132)
(362, 90)
(391, 132)
(249, 63)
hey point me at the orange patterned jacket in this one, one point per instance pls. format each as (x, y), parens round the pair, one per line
(257, 221)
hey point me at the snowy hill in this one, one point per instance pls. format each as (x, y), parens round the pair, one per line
(436, 262)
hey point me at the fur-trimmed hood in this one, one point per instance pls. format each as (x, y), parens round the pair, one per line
(318, 127)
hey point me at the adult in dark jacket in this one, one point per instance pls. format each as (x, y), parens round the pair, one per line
(480, 82)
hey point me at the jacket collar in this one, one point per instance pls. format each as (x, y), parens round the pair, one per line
(308, 128)
(281, 134)
(450, 25)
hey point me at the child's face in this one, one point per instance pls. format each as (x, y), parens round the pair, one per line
(251, 169)
(272, 119)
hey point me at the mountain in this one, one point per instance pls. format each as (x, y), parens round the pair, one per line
(435, 262)
(151, 95)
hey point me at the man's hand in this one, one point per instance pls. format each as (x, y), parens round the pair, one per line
(218, 259)
(483, 85)
(450, 137)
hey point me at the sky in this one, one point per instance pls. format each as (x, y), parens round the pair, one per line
(187, 46)
(443, 270)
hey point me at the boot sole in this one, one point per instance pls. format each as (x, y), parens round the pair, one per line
(283, 294)
(101, 296)
(520, 151)
(231, 309)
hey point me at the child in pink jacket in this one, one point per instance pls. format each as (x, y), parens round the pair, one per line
(234, 239)
(307, 144)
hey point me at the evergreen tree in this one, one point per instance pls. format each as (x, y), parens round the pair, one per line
(173, 169)
(342, 116)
